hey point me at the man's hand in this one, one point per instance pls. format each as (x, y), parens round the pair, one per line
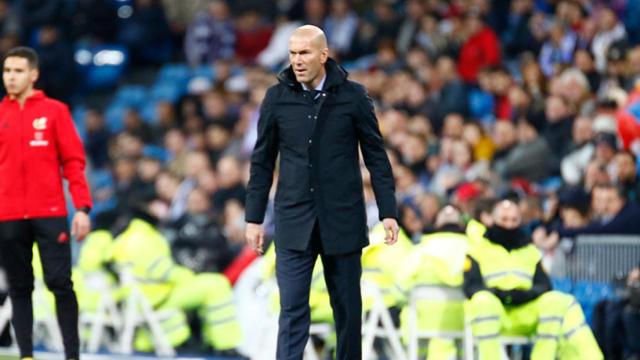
(391, 231)
(255, 237)
(80, 225)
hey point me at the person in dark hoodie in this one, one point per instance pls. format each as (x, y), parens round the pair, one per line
(509, 293)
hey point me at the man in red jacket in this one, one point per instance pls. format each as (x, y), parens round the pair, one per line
(38, 146)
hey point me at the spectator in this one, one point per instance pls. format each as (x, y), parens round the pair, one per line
(181, 14)
(429, 37)
(315, 12)
(229, 175)
(97, 139)
(414, 10)
(626, 175)
(126, 186)
(196, 162)
(572, 13)
(146, 33)
(617, 321)
(483, 147)
(94, 21)
(9, 26)
(176, 144)
(341, 26)
(166, 187)
(252, 36)
(610, 29)
(632, 21)
(197, 240)
(531, 159)
(619, 215)
(573, 86)
(447, 93)
(36, 13)
(480, 48)
(504, 137)
(56, 63)
(210, 37)
(277, 52)
(558, 50)
(585, 62)
(135, 126)
(517, 37)
(575, 162)
(559, 116)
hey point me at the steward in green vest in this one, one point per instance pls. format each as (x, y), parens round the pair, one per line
(436, 262)
(510, 294)
(169, 287)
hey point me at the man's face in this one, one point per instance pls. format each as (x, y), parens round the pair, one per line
(626, 167)
(613, 202)
(307, 59)
(507, 215)
(18, 76)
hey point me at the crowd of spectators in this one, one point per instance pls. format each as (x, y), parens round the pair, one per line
(476, 99)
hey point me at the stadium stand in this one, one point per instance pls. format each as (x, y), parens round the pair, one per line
(532, 100)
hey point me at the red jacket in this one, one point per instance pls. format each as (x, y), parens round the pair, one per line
(38, 146)
(480, 50)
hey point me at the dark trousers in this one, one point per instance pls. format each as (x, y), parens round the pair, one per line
(342, 275)
(16, 244)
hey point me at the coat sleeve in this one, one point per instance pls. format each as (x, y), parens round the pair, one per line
(375, 157)
(473, 281)
(541, 284)
(72, 158)
(263, 162)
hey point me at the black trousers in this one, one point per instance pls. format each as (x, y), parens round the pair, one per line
(16, 247)
(342, 275)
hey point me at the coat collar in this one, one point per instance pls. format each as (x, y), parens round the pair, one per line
(336, 75)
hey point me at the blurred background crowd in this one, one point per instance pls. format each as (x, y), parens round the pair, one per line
(535, 100)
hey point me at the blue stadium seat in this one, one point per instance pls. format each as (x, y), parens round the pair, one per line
(174, 72)
(156, 152)
(589, 293)
(562, 284)
(101, 67)
(114, 117)
(78, 115)
(167, 90)
(204, 71)
(100, 178)
(131, 95)
(148, 111)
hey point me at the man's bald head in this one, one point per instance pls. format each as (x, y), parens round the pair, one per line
(506, 214)
(448, 215)
(308, 53)
(311, 33)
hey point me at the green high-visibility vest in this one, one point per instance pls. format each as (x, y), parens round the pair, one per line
(503, 269)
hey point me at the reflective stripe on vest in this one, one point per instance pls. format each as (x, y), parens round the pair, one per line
(443, 293)
(505, 269)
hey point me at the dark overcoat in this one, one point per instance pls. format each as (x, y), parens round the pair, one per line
(316, 137)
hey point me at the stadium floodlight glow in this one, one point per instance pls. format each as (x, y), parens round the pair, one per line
(108, 57)
(125, 11)
(83, 56)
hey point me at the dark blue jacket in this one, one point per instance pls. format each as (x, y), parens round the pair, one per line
(319, 173)
(626, 222)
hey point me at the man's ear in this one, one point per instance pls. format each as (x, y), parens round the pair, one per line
(324, 55)
(34, 74)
